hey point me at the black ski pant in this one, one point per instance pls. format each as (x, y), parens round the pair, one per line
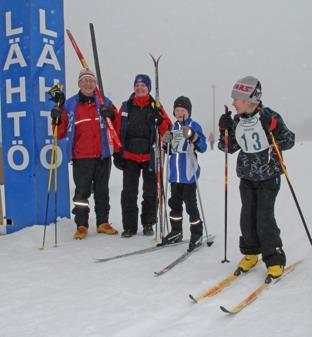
(88, 173)
(129, 195)
(183, 193)
(260, 234)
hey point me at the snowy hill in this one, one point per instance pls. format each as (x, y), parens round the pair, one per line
(61, 292)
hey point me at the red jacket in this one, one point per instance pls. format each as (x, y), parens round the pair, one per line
(87, 139)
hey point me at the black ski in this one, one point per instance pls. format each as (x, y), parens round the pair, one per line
(138, 252)
(184, 256)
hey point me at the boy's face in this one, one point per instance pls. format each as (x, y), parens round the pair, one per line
(243, 106)
(181, 114)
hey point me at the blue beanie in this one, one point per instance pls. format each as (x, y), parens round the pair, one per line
(142, 78)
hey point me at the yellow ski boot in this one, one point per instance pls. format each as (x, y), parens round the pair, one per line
(246, 263)
(274, 272)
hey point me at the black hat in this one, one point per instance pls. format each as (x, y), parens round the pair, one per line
(183, 102)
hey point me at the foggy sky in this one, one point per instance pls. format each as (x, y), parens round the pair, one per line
(203, 43)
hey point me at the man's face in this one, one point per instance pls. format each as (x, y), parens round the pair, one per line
(140, 89)
(87, 85)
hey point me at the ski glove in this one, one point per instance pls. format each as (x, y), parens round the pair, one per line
(154, 117)
(189, 133)
(58, 98)
(226, 121)
(167, 137)
(107, 112)
(118, 161)
(56, 115)
(268, 122)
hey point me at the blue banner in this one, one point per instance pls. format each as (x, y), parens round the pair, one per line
(32, 61)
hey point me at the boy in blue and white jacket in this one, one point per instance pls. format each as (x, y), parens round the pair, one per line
(185, 138)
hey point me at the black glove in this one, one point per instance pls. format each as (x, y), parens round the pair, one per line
(154, 117)
(226, 121)
(56, 115)
(268, 122)
(107, 112)
(58, 98)
(189, 133)
(118, 161)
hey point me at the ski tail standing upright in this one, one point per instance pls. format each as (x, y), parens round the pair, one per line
(81, 120)
(259, 171)
(135, 124)
(184, 138)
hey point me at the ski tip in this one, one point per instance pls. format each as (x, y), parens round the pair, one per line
(193, 298)
(225, 309)
(231, 312)
(210, 243)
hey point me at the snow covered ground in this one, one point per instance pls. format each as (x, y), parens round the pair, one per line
(61, 292)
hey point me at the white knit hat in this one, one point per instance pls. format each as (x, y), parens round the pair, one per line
(247, 89)
(86, 73)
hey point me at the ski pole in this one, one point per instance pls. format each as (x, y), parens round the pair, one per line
(226, 148)
(209, 243)
(57, 97)
(283, 166)
(52, 168)
(166, 186)
(159, 182)
(55, 185)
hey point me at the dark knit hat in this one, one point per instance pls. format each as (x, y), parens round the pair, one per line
(142, 78)
(247, 89)
(183, 102)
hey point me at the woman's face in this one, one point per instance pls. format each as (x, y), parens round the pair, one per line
(140, 89)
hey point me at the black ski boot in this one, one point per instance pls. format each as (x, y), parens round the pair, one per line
(174, 236)
(127, 233)
(148, 230)
(196, 236)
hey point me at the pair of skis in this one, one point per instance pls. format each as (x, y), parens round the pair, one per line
(171, 265)
(138, 252)
(248, 299)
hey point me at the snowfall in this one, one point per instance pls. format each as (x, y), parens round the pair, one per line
(61, 291)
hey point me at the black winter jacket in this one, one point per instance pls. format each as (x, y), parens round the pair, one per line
(262, 165)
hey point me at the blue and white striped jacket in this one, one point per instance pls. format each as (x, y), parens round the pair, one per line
(183, 160)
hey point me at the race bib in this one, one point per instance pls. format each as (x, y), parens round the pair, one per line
(250, 135)
(177, 141)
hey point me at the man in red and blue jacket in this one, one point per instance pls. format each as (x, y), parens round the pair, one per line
(137, 122)
(82, 121)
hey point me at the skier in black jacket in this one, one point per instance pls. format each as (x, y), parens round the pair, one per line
(259, 169)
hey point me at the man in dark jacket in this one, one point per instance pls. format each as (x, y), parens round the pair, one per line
(82, 121)
(258, 167)
(137, 122)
